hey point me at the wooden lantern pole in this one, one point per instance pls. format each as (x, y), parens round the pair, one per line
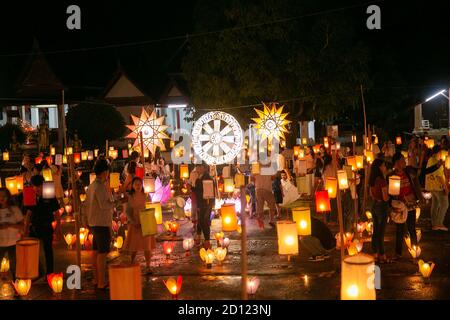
(141, 140)
(339, 206)
(106, 150)
(243, 247)
(75, 207)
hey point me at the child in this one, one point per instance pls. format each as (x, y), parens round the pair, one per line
(11, 226)
(135, 241)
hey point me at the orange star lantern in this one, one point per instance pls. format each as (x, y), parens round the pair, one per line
(271, 122)
(152, 129)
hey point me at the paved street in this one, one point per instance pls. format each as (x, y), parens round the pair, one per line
(280, 278)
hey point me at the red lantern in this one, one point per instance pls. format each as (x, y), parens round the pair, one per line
(322, 201)
(125, 153)
(29, 196)
(173, 227)
(38, 160)
(49, 160)
(168, 248)
(140, 172)
(77, 157)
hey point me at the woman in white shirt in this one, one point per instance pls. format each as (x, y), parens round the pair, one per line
(11, 228)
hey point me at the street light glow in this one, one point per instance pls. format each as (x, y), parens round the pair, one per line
(437, 94)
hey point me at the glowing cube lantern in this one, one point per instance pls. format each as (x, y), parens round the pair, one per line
(228, 185)
(322, 201)
(398, 140)
(11, 185)
(47, 174)
(27, 258)
(394, 185)
(49, 160)
(358, 278)
(359, 162)
(125, 282)
(184, 171)
(140, 172)
(114, 180)
(229, 218)
(351, 161)
(302, 217)
(429, 143)
(239, 180)
(19, 181)
(369, 156)
(148, 222)
(287, 238)
(6, 156)
(77, 158)
(64, 159)
(22, 286)
(426, 268)
(158, 210)
(297, 151)
(96, 153)
(173, 286)
(149, 185)
(48, 190)
(114, 154)
(56, 282)
(342, 179)
(90, 156)
(331, 187)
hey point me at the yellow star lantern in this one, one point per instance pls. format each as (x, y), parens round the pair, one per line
(271, 122)
(152, 129)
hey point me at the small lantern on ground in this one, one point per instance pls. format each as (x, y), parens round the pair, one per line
(207, 256)
(220, 254)
(56, 282)
(252, 285)
(168, 247)
(426, 268)
(173, 286)
(188, 243)
(27, 258)
(125, 282)
(22, 286)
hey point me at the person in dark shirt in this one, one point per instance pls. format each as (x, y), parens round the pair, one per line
(39, 220)
(320, 242)
(277, 192)
(204, 205)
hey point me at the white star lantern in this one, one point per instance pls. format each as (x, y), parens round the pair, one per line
(219, 143)
(152, 129)
(271, 122)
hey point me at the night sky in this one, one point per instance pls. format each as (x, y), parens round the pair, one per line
(416, 31)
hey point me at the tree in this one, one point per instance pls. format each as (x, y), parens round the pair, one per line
(6, 135)
(314, 64)
(95, 123)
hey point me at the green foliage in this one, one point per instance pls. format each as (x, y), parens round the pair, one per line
(6, 135)
(316, 59)
(95, 123)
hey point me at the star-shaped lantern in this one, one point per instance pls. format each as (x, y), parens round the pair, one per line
(271, 122)
(152, 129)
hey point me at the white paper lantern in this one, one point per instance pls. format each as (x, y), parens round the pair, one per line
(48, 190)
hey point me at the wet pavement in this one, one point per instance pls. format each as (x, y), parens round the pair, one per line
(280, 279)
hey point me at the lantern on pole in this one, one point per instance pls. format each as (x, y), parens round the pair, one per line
(322, 201)
(239, 180)
(359, 162)
(5, 156)
(125, 282)
(229, 218)
(77, 158)
(90, 156)
(11, 185)
(287, 238)
(351, 161)
(47, 174)
(343, 180)
(369, 156)
(184, 171)
(19, 182)
(331, 187)
(302, 217)
(358, 278)
(297, 151)
(394, 185)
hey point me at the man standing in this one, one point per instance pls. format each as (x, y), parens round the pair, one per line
(410, 193)
(263, 187)
(100, 205)
(435, 183)
(204, 206)
(39, 220)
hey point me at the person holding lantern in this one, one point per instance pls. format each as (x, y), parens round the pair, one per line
(410, 194)
(204, 206)
(135, 241)
(11, 227)
(100, 206)
(38, 221)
